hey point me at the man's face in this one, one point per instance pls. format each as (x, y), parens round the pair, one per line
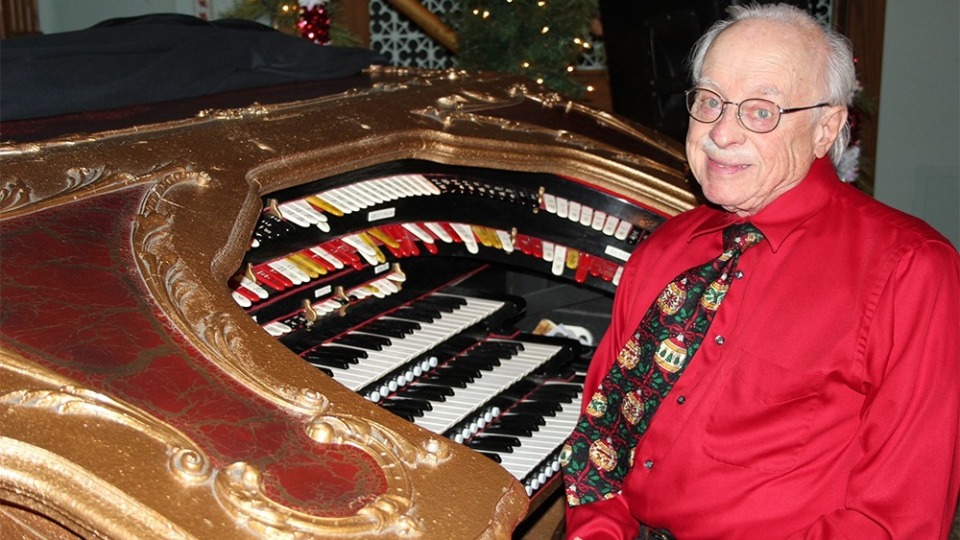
(738, 169)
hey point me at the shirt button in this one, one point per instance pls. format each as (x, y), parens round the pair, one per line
(648, 464)
(719, 340)
(681, 400)
(738, 274)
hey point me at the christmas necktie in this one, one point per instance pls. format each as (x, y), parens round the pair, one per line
(599, 453)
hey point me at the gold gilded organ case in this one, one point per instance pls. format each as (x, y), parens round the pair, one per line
(170, 273)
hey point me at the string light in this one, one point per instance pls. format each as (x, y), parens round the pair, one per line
(547, 54)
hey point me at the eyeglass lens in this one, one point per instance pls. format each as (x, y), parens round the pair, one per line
(757, 115)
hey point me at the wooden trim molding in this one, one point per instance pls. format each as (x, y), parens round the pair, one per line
(19, 18)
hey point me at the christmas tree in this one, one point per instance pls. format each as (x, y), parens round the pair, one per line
(542, 39)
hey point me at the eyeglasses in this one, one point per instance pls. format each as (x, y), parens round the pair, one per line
(757, 115)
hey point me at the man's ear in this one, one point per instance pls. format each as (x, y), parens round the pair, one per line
(828, 129)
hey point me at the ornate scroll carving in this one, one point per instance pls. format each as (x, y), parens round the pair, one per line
(184, 293)
(239, 489)
(17, 195)
(186, 460)
(351, 430)
(239, 486)
(58, 396)
(181, 292)
(75, 497)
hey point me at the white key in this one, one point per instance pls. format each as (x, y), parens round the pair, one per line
(466, 234)
(403, 350)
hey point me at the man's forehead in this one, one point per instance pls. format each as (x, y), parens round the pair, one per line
(750, 89)
(760, 58)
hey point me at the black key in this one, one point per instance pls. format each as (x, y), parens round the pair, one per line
(501, 429)
(418, 315)
(300, 341)
(527, 420)
(492, 455)
(489, 445)
(411, 406)
(507, 441)
(341, 352)
(518, 390)
(364, 341)
(406, 415)
(441, 389)
(500, 349)
(454, 346)
(317, 355)
(449, 300)
(470, 374)
(482, 359)
(473, 363)
(432, 304)
(394, 329)
(558, 393)
(542, 408)
(426, 393)
(327, 362)
(325, 371)
(447, 379)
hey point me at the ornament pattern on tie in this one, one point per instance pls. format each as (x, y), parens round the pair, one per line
(599, 453)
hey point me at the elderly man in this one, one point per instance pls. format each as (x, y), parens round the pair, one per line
(806, 382)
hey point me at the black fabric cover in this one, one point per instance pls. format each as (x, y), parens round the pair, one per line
(156, 58)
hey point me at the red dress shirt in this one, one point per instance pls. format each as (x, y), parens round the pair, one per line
(825, 400)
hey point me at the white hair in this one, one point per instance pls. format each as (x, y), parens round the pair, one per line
(838, 72)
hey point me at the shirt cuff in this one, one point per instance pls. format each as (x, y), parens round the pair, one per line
(602, 520)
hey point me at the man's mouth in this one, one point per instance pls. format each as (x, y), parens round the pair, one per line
(727, 167)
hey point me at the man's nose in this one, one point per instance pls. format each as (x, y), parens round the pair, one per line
(727, 129)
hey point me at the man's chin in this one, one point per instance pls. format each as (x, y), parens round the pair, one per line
(723, 198)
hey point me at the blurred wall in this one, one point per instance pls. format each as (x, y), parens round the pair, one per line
(918, 137)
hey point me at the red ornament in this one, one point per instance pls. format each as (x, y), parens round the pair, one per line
(314, 22)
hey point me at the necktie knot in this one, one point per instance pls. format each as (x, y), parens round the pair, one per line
(740, 236)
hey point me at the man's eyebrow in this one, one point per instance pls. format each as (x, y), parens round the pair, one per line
(766, 90)
(763, 90)
(707, 81)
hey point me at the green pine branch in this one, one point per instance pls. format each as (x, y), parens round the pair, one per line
(541, 39)
(536, 38)
(284, 14)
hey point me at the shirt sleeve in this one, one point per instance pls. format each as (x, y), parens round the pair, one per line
(905, 484)
(611, 518)
(602, 520)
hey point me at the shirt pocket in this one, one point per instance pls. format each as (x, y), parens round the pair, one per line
(763, 417)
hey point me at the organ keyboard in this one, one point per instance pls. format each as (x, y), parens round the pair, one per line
(530, 449)
(329, 328)
(345, 273)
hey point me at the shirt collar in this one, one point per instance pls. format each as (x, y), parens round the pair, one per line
(787, 212)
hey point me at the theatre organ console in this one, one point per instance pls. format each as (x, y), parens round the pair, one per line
(289, 314)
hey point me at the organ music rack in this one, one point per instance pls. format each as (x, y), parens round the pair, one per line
(148, 309)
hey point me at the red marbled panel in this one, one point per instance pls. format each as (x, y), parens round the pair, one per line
(72, 300)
